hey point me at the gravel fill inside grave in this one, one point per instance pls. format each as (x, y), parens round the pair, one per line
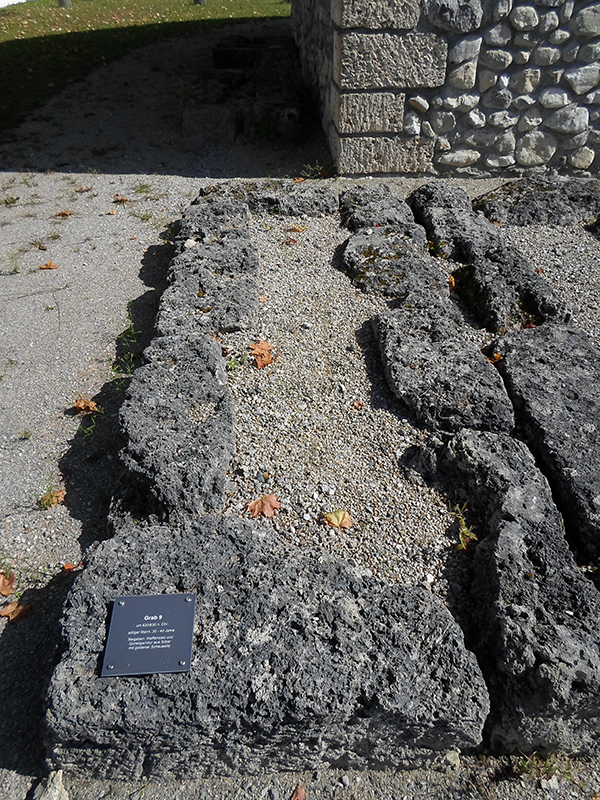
(319, 427)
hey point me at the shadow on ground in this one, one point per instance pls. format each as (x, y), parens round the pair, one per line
(164, 109)
(31, 646)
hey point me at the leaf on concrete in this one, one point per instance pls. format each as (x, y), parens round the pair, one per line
(15, 610)
(7, 583)
(494, 358)
(49, 265)
(262, 298)
(120, 200)
(296, 229)
(85, 406)
(65, 213)
(299, 180)
(338, 519)
(299, 793)
(262, 354)
(266, 505)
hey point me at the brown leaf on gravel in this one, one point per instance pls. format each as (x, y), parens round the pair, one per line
(84, 405)
(358, 404)
(299, 793)
(49, 265)
(120, 200)
(288, 240)
(110, 213)
(296, 229)
(338, 519)
(15, 610)
(451, 283)
(83, 189)
(51, 498)
(7, 583)
(299, 180)
(262, 354)
(266, 505)
(42, 247)
(262, 298)
(65, 213)
(494, 358)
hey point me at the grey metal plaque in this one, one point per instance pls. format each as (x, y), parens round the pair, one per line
(149, 634)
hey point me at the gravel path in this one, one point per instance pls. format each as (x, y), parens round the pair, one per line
(318, 428)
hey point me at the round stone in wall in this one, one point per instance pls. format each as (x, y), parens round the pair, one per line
(582, 159)
(464, 50)
(548, 22)
(463, 76)
(419, 103)
(502, 119)
(524, 18)
(535, 148)
(529, 120)
(589, 52)
(495, 59)
(554, 98)
(583, 79)
(546, 56)
(459, 158)
(587, 21)
(570, 119)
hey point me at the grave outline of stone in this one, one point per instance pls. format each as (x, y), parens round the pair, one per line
(247, 546)
(410, 86)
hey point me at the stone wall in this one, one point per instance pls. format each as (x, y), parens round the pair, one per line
(441, 87)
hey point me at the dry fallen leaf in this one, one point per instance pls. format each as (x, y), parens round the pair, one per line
(49, 265)
(262, 298)
(289, 240)
(83, 189)
(262, 354)
(299, 180)
(65, 213)
(42, 247)
(494, 358)
(110, 213)
(358, 404)
(338, 519)
(299, 793)
(265, 505)
(85, 406)
(451, 283)
(118, 199)
(7, 583)
(53, 497)
(15, 610)
(296, 229)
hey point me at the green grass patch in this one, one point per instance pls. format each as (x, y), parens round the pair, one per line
(44, 48)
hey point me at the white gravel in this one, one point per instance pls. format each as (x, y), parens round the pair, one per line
(319, 427)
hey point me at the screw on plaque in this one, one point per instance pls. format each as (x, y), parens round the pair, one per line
(188, 599)
(110, 666)
(121, 602)
(182, 663)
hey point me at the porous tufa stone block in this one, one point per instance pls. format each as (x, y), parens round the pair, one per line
(382, 14)
(376, 112)
(296, 663)
(364, 154)
(389, 60)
